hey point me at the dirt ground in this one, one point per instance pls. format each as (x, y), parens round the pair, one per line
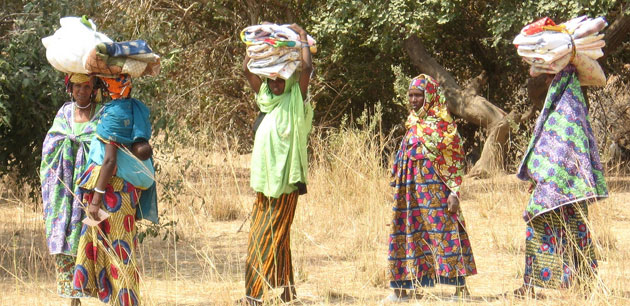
(339, 250)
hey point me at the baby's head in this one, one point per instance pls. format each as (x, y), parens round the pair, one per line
(142, 150)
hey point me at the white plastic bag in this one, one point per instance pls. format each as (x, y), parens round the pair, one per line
(68, 48)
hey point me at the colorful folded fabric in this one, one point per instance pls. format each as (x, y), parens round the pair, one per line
(590, 27)
(77, 47)
(275, 60)
(276, 36)
(589, 39)
(537, 26)
(263, 51)
(134, 58)
(548, 47)
(274, 50)
(126, 48)
(283, 71)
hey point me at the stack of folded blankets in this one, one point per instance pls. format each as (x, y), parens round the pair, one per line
(77, 47)
(274, 50)
(548, 47)
(130, 57)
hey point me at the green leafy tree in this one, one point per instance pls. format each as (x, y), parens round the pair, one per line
(31, 90)
(459, 42)
(364, 49)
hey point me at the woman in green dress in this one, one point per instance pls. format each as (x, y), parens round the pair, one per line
(278, 176)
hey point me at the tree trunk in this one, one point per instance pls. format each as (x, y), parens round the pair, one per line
(617, 33)
(467, 104)
(253, 11)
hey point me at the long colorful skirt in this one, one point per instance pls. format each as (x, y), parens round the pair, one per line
(106, 259)
(65, 270)
(559, 249)
(427, 244)
(268, 262)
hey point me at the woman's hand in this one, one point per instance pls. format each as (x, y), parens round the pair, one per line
(453, 203)
(254, 81)
(307, 61)
(298, 29)
(95, 206)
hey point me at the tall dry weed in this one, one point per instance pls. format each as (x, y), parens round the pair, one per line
(339, 235)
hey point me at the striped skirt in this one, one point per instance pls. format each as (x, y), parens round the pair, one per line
(268, 262)
(559, 250)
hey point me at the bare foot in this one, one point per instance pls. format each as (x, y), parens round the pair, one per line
(75, 302)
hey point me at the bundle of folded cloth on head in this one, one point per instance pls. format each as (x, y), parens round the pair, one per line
(77, 47)
(274, 50)
(548, 47)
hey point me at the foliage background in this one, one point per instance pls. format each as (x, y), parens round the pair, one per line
(201, 92)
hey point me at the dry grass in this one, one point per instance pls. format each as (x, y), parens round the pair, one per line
(339, 237)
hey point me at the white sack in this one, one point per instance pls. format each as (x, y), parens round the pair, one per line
(68, 48)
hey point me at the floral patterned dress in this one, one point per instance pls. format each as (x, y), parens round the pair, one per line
(427, 244)
(562, 162)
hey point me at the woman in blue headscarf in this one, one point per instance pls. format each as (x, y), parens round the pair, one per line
(278, 175)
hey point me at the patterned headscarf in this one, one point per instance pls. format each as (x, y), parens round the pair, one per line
(437, 131)
(119, 87)
(419, 83)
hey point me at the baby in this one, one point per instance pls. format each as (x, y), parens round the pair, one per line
(142, 150)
